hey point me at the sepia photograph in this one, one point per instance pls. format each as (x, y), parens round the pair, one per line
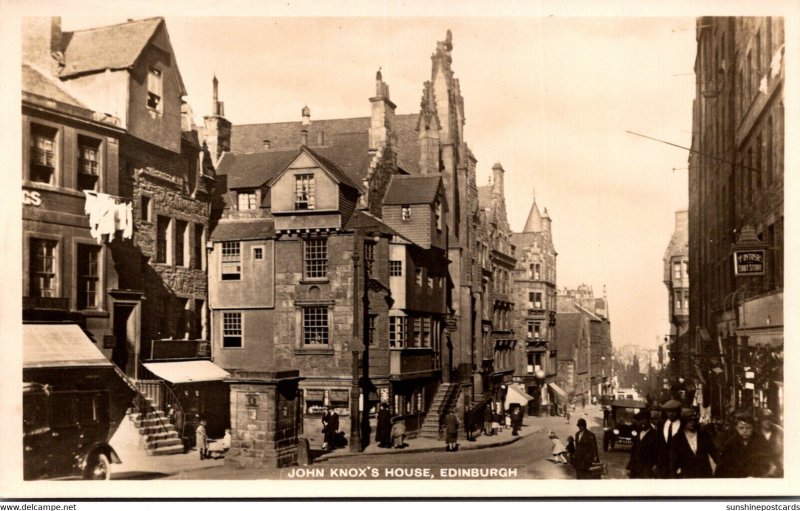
(521, 251)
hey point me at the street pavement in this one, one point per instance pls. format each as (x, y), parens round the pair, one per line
(530, 452)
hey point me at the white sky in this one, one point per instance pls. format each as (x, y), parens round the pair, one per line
(549, 97)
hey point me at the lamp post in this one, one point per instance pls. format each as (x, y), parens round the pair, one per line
(539, 374)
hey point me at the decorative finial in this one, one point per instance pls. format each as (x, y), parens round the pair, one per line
(378, 75)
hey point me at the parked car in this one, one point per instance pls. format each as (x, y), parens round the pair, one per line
(621, 426)
(65, 433)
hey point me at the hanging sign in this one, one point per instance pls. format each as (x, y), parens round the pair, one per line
(748, 262)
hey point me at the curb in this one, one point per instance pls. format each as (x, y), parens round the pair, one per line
(466, 447)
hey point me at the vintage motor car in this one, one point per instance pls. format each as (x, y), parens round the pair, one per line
(621, 426)
(73, 400)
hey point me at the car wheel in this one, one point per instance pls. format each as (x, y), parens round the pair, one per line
(99, 469)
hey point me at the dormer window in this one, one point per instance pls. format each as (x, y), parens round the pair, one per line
(154, 89)
(304, 191)
(405, 212)
(247, 200)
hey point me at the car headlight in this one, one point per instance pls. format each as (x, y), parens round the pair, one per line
(633, 433)
(616, 432)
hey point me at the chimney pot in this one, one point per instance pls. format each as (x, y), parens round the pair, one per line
(267, 144)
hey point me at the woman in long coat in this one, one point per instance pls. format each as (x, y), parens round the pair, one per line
(201, 440)
(690, 451)
(383, 431)
(451, 431)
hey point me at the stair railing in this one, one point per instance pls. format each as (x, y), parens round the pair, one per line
(166, 401)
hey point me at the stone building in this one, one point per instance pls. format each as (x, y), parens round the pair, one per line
(676, 279)
(138, 174)
(496, 261)
(736, 218)
(573, 337)
(318, 215)
(155, 163)
(534, 294)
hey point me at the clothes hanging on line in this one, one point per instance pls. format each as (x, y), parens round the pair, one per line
(107, 215)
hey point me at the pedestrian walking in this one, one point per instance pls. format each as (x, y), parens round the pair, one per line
(516, 420)
(692, 450)
(585, 451)
(745, 454)
(330, 428)
(773, 434)
(488, 417)
(383, 430)
(201, 440)
(451, 431)
(643, 461)
(667, 430)
(559, 450)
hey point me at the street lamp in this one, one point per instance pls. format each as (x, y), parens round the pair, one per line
(540, 376)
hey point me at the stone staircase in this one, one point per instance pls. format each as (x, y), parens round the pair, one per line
(159, 436)
(443, 401)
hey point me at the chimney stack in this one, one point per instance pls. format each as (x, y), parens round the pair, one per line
(381, 130)
(306, 112)
(217, 127)
(41, 43)
(497, 179)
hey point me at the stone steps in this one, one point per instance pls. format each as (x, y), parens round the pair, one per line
(166, 450)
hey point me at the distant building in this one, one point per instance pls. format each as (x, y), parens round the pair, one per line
(534, 294)
(676, 278)
(736, 217)
(496, 261)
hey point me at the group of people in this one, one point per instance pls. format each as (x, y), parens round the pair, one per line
(671, 445)
(211, 449)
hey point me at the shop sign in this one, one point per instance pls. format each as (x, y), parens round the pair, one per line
(749, 262)
(31, 198)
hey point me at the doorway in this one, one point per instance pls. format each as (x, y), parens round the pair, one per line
(123, 353)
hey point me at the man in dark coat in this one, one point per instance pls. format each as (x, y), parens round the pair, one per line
(451, 431)
(585, 451)
(692, 450)
(745, 453)
(383, 431)
(667, 430)
(644, 449)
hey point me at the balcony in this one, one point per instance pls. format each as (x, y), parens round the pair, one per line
(45, 302)
(412, 363)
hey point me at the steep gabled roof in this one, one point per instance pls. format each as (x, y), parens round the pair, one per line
(412, 189)
(247, 138)
(255, 169)
(365, 221)
(112, 47)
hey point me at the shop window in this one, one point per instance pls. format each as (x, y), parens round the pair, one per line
(88, 163)
(88, 276)
(231, 329)
(231, 260)
(304, 191)
(315, 325)
(315, 256)
(43, 266)
(43, 154)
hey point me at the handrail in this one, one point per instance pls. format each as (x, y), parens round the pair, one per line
(172, 407)
(140, 402)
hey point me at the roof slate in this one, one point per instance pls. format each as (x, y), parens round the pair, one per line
(237, 230)
(37, 82)
(253, 170)
(248, 138)
(111, 47)
(362, 220)
(412, 189)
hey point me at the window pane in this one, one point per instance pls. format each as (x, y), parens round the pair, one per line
(316, 258)
(315, 325)
(88, 276)
(304, 191)
(231, 329)
(42, 267)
